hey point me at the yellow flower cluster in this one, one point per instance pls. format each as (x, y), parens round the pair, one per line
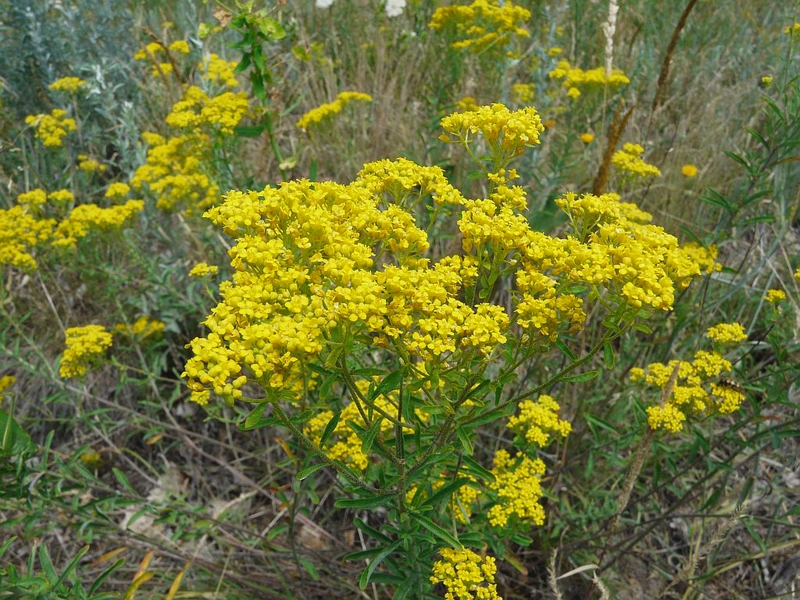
(174, 172)
(6, 381)
(575, 79)
(175, 169)
(52, 128)
(538, 422)
(587, 138)
(629, 161)
(689, 171)
(151, 50)
(616, 248)
(62, 197)
(203, 270)
(142, 328)
(482, 25)
(198, 109)
(792, 30)
(518, 488)
(406, 183)
(317, 261)
(179, 46)
(466, 575)
(694, 392)
(20, 233)
(466, 104)
(218, 70)
(507, 133)
(523, 93)
(727, 333)
(69, 85)
(326, 111)
(32, 200)
(117, 190)
(89, 165)
(775, 296)
(84, 346)
(86, 217)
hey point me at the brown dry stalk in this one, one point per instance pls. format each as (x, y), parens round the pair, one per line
(642, 449)
(615, 129)
(662, 76)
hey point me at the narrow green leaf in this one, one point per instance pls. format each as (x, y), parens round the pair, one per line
(310, 471)
(14, 440)
(363, 581)
(565, 349)
(330, 427)
(609, 357)
(370, 531)
(391, 382)
(123, 480)
(309, 567)
(252, 420)
(105, 575)
(47, 565)
(72, 565)
(436, 530)
(243, 63)
(475, 468)
(466, 442)
(643, 328)
(363, 503)
(580, 377)
(369, 438)
(249, 131)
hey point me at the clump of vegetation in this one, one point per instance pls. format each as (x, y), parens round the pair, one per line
(494, 325)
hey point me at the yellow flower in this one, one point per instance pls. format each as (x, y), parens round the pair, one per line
(523, 93)
(143, 327)
(89, 165)
(467, 103)
(6, 381)
(203, 269)
(52, 128)
(179, 46)
(518, 488)
(218, 70)
(727, 333)
(69, 85)
(482, 25)
(465, 575)
(797, 274)
(84, 347)
(593, 79)
(20, 233)
(629, 161)
(118, 190)
(689, 170)
(61, 196)
(32, 200)
(587, 138)
(326, 111)
(775, 296)
(766, 80)
(555, 51)
(538, 422)
(87, 217)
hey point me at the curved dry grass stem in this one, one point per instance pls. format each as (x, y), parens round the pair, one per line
(664, 74)
(615, 130)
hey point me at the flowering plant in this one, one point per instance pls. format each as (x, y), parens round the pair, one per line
(386, 357)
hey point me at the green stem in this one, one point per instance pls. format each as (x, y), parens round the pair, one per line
(308, 443)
